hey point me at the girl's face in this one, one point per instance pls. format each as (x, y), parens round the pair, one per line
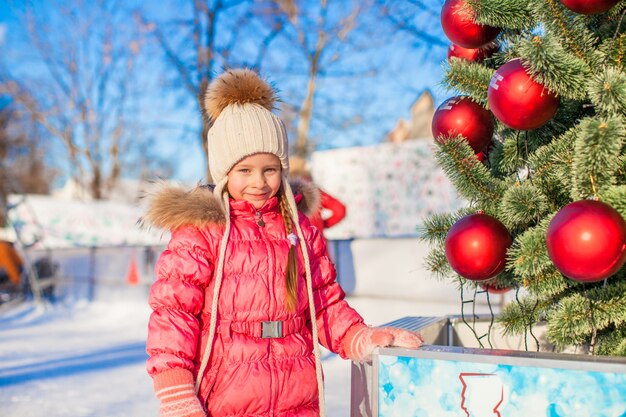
(255, 179)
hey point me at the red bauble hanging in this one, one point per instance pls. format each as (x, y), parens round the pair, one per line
(517, 100)
(472, 54)
(476, 246)
(587, 241)
(461, 116)
(457, 20)
(492, 289)
(589, 6)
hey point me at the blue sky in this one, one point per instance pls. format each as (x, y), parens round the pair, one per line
(408, 71)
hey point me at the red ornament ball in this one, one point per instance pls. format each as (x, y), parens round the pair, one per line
(589, 6)
(476, 246)
(587, 241)
(472, 54)
(492, 289)
(461, 116)
(517, 100)
(457, 20)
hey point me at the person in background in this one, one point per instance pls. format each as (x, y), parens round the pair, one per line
(330, 210)
(11, 264)
(245, 293)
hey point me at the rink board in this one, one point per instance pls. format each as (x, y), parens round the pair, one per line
(444, 381)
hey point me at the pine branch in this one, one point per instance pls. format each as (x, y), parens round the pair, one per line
(615, 196)
(620, 174)
(504, 279)
(549, 285)
(516, 317)
(469, 78)
(617, 9)
(437, 263)
(607, 91)
(522, 206)
(549, 64)
(570, 324)
(528, 256)
(468, 174)
(596, 155)
(551, 168)
(435, 227)
(575, 317)
(615, 51)
(495, 156)
(570, 27)
(611, 31)
(518, 147)
(511, 14)
(612, 342)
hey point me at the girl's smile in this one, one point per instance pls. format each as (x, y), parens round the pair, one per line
(256, 179)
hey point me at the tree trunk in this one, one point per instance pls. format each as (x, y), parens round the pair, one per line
(96, 184)
(302, 142)
(205, 146)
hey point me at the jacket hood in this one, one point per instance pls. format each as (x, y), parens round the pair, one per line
(171, 206)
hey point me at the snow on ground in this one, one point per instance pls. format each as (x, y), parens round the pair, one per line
(80, 359)
(88, 359)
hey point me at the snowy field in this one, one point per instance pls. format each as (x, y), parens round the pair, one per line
(79, 359)
(88, 359)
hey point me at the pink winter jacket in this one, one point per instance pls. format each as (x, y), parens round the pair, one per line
(247, 375)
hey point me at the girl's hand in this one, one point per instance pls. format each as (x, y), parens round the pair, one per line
(175, 391)
(361, 340)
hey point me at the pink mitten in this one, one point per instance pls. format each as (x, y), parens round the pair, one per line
(361, 340)
(175, 391)
(405, 338)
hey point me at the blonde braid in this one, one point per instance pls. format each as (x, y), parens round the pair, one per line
(291, 275)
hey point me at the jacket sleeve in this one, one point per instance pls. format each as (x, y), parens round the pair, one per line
(334, 316)
(336, 207)
(182, 272)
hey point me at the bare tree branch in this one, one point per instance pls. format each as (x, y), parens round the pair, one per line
(82, 99)
(216, 29)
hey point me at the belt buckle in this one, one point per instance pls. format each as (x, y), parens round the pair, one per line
(271, 329)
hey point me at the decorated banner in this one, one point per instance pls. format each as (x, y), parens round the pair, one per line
(436, 382)
(388, 189)
(47, 222)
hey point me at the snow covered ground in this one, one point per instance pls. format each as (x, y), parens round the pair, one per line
(87, 359)
(81, 359)
(77, 360)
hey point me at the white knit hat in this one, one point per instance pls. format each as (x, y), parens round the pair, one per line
(240, 105)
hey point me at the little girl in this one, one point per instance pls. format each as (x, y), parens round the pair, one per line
(244, 291)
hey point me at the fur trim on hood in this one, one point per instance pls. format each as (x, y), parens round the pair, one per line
(171, 207)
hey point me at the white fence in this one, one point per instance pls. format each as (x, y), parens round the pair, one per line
(100, 272)
(386, 268)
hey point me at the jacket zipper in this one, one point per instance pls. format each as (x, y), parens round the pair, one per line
(271, 364)
(259, 220)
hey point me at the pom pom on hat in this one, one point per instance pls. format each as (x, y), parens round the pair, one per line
(238, 86)
(240, 105)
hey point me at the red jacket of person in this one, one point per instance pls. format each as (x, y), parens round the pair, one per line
(335, 207)
(247, 375)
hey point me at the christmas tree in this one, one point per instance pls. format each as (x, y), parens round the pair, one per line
(534, 138)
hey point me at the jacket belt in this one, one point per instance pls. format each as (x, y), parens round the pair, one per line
(265, 329)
